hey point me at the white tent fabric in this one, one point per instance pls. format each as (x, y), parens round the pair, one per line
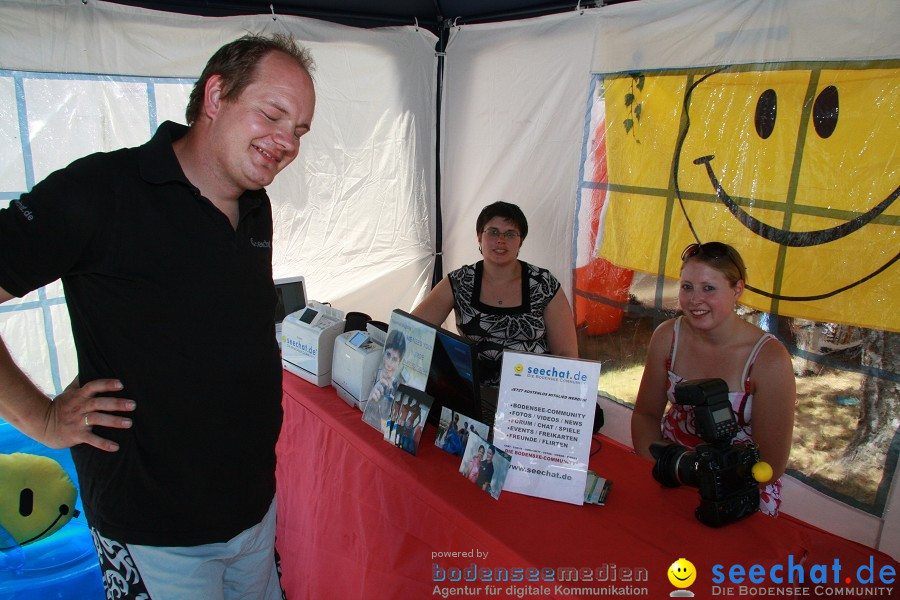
(514, 109)
(355, 212)
(661, 34)
(518, 95)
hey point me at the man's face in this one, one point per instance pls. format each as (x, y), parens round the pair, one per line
(257, 134)
(490, 455)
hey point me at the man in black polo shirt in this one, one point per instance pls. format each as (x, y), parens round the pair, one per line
(165, 254)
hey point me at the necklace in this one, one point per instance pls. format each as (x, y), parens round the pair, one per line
(500, 287)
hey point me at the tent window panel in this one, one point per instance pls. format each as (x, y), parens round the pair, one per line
(71, 118)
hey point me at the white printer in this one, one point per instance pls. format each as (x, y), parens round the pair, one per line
(357, 356)
(307, 341)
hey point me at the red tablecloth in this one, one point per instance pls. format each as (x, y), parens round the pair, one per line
(359, 518)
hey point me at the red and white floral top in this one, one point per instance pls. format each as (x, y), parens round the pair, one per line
(678, 424)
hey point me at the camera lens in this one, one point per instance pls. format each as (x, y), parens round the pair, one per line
(675, 464)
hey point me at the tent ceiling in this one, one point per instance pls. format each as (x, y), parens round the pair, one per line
(431, 14)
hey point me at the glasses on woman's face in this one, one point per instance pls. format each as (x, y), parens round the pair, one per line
(713, 250)
(494, 233)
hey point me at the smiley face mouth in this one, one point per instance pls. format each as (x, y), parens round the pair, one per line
(63, 511)
(786, 237)
(779, 236)
(679, 578)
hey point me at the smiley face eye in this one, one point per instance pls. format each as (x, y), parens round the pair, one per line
(26, 502)
(825, 111)
(766, 111)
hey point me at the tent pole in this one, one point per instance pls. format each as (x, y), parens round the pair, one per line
(440, 47)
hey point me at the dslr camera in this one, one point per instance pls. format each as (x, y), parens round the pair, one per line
(719, 469)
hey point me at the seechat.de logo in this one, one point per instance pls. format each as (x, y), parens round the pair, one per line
(817, 580)
(556, 374)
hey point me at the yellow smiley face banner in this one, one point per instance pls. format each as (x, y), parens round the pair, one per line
(797, 165)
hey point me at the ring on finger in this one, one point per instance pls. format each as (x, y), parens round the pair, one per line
(86, 423)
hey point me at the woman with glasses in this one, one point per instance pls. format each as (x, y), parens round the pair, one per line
(709, 340)
(501, 302)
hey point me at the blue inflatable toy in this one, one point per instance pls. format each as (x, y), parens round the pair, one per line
(46, 551)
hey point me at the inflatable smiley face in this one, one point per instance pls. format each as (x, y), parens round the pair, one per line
(795, 165)
(803, 170)
(37, 497)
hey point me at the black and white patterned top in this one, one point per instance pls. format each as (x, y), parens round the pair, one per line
(495, 328)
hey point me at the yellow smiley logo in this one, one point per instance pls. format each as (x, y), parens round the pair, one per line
(519, 368)
(682, 573)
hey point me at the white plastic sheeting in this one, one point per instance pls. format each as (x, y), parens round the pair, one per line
(811, 208)
(514, 118)
(353, 213)
(518, 94)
